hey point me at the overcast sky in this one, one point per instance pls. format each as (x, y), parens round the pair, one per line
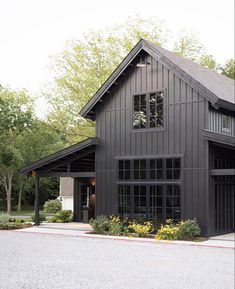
(32, 30)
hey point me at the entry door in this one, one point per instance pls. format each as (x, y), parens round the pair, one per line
(224, 208)
(87, 201)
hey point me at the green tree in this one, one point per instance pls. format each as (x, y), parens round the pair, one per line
(15, 118)
(209, 62)
(188, 45)
(34, 144)
(229, 68)
(85, 64)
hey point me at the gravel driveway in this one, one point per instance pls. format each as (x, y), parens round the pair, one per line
(33, 261)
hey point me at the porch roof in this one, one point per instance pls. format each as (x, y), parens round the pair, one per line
(75, 161)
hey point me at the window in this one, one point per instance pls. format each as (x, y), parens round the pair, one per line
(140, 202)
(173, 202)
(156, 201)
(156, 109)
(124, 169)
(140, 111)
(148, 110)
(226, 123)
(124, 201)
(156, 169)
(149, 169)
(173, 169)
(140, 169)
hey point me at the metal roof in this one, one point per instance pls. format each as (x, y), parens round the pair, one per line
(217, 88)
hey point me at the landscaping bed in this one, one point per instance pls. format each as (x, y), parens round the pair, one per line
(9, 223)
(187, 230)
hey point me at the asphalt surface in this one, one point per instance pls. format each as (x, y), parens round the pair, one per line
(33, 261)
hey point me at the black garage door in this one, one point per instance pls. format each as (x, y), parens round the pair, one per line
(224, 206)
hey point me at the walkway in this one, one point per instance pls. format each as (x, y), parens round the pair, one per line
(82, 230)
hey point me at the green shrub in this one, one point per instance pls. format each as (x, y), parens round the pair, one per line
(189, 229)
(100, 225)
(42, 218)
(8, 223)
(4, 219)
(52, 206)
(115, 226)
(184, 230)
(64, 216)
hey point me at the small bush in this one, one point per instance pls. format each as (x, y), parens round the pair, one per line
(42, 218)
(52, 206)
(4, 219)
(184, 230)
(169, 231)
(189, 229)
(100, 225)
(8, 223)
(64, 216)
(115, 226)
(141, 230)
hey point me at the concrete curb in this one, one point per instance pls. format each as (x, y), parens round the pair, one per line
(127, 239)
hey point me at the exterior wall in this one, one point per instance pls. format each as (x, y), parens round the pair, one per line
(215, 123)
(67, 193)
(185, 116)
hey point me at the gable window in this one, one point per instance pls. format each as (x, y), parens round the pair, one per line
(226, 123)
(148, 110)
(140, 111)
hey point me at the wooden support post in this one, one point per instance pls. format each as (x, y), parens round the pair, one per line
(36, 206)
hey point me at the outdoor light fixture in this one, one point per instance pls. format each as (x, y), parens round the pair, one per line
(142, 63)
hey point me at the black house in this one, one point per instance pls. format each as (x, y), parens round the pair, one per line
(164, 145)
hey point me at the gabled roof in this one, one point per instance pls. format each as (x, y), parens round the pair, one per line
(218, 89)
(60, 157)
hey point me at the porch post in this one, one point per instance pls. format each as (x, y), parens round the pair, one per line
(36, 206)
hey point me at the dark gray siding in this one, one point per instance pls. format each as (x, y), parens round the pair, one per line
(185, 116)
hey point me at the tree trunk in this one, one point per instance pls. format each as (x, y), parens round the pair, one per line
(7, 176)
(20, 196)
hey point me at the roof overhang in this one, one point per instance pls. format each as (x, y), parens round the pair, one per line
(74, 161)
(218, 138)
(88, 110)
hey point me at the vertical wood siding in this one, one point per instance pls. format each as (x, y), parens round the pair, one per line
(185, 117)
(215, 122)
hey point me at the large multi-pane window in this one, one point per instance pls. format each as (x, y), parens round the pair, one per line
(148, 110)
(157, 202)
(140, 169)
(140, 198)
(124, 169)
(173, 202)
(173, 169)
(156, 169)
(149, 169)
(124, 201)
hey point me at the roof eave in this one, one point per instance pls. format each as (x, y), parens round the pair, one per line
(53, 157)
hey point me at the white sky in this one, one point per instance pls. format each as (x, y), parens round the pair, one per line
(32, 30)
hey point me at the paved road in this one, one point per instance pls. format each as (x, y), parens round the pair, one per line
(33, 261)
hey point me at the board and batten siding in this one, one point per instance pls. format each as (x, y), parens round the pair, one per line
(185, 116)
(215, 123)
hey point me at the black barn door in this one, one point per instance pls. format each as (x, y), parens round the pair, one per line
(224, 207)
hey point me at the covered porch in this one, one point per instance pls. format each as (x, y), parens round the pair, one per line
(76, 161)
